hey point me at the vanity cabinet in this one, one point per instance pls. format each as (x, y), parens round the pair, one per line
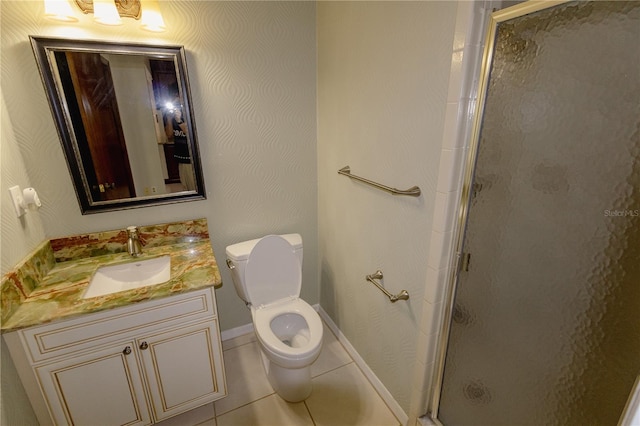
(100, 387)
(134, 365)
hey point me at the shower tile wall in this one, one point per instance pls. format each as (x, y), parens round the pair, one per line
(461, 99)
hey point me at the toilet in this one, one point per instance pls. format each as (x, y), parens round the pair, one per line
(267, 275)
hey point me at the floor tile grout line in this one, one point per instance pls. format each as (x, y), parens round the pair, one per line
(333, 369)
(309, 411)
(377, 393)
(274, 393)
(238, 346)
(313, 377)
(256, 400)
(363, 373)
(367, 381)
(244, 405)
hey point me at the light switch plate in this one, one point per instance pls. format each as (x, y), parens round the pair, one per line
(16, 196)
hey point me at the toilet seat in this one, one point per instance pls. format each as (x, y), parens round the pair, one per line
(266, 284)
(275, 291)
(263, 316)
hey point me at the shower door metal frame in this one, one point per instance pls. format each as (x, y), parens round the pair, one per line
(496, 18)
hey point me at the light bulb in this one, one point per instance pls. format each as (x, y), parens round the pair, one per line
(60, 10)
(151, 16)
(105, 12)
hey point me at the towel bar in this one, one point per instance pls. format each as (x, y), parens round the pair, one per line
(414, 191)
(403, 295)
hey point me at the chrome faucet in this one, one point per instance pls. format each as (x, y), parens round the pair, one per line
(133, 243)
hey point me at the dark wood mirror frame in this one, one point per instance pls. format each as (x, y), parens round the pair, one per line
(96, 193)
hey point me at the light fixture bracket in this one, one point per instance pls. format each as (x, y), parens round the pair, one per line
(126, 8)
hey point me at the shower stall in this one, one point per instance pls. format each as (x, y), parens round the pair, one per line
(543, 318)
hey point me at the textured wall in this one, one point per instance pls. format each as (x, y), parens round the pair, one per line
(18, 238)
(252, 67)
(19, 235)
(253, 72)
(383, 73)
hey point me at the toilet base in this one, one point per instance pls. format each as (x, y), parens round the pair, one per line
(292, 384)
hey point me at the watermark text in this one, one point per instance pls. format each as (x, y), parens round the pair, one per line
(622, 213)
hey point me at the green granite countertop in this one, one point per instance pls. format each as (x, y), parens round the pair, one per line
(57, 292)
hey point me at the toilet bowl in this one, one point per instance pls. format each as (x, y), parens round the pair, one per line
(267, 275)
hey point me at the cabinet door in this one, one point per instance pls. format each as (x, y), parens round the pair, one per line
(183, 368)
(98, 388)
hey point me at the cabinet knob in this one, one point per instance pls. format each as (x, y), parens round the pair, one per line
(127, 350)
(144, 345)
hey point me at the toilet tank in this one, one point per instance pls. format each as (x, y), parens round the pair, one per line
(238, 253)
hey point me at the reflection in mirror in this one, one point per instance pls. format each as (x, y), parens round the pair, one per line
(124, 117)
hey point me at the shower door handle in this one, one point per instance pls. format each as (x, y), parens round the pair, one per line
(465, 259)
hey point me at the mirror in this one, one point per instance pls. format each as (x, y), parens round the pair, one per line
(123, 114)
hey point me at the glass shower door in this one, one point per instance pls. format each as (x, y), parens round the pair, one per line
(545, 324)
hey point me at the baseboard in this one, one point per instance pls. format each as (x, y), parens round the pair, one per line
(235, 332)
(373, 379)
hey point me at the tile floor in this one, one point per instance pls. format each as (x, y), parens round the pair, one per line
(342, 395)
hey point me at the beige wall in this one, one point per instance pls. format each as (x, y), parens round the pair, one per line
(19, 236)
(253, 71)
(252, 67)
(383, 75)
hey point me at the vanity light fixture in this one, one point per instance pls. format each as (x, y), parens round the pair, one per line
(109, 12)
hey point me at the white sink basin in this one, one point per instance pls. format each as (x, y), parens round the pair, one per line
(127, 276)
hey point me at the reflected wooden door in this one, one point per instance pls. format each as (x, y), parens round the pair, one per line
(98, 108)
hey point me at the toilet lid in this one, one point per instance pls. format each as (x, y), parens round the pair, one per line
(273, 271)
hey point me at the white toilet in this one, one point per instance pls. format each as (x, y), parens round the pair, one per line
(267, 275)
